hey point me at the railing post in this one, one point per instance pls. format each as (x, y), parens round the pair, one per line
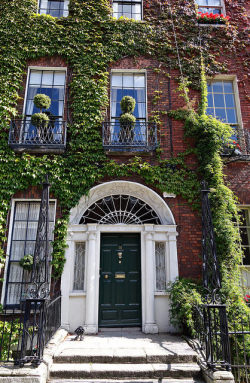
(214, 312)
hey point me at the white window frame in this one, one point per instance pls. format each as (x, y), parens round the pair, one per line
(223, 8)
(11, 222)
(124, 71)
(38, 9)
(142, 7)
(234, 81)
(43, 68)
(73, 291)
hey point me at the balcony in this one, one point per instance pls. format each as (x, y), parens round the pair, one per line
(24, 137)
(142, 138)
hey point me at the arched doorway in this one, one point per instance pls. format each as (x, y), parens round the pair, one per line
(121, 253)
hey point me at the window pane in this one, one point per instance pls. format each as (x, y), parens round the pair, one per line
(128, 81)
(116, 80)
(35, 77)
(218, 87)
(219, 100)
(139, 81)
(220, 114)
(59, 78)
(160, 265)
(229, 100)
(79, 266)
(47, 78)
(228, 87)
(231, 116)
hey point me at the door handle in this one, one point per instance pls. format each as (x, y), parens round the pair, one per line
(106, 276)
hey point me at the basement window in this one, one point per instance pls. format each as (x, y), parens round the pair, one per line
(211, 6)
(58, 8)
(130, 9)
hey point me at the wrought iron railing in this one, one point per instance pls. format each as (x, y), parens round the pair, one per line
(141, 137)
(224, 343)
(24, 136)
(26, 331)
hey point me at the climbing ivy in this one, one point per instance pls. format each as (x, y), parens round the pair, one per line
(90, 40)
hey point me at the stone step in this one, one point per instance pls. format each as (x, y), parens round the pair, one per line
(122, 356)
(127, 381)
(120, 371)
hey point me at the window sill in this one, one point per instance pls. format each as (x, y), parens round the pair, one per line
(212, 25)
(161, 293)
(77, 294)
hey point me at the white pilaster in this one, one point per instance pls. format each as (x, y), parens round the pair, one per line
(149, 326)
(173, 260)
(91, 321)
(66, 283)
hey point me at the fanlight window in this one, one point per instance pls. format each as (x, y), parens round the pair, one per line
(120, 209)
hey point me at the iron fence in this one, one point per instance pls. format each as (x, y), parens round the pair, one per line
(26, 330)
(119, 137)
(23, 135)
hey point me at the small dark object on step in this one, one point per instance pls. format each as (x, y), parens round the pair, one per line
(79, 333)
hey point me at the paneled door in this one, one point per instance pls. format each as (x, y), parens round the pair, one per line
(120, 280)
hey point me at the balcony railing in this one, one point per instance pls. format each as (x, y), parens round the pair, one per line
(24, 136)
(142, 137)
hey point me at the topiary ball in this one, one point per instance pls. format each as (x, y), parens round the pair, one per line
(128, 104)
(127, 120)
(42, 101)
(39, 119)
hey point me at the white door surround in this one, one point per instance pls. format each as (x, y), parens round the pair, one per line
(86, 303)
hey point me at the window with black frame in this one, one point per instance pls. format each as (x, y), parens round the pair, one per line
(130, 9)
(52, 84)
(22, 245)
(129, 84)
(55, 8)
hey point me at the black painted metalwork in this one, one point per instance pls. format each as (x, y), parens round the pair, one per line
(23, 136)
(27, 329)
(223, 344)
(143, 137)
(211, 273)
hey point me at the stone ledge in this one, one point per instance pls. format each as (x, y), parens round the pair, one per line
(217, 376)
(29, 374)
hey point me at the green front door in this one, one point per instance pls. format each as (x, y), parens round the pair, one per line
(120, 280)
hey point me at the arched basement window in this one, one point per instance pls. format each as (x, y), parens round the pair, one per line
(120, 209)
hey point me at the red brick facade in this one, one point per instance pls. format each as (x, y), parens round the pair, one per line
(162, 82)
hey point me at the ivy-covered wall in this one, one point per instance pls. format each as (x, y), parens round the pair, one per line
(91, 42)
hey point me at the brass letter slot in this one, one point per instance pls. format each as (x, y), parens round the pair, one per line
(120, 276)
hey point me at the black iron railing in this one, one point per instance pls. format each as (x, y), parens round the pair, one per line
(224, 343)
(24, 136)
(26, 331)
(142, 137)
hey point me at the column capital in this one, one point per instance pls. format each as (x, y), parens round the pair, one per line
(149, 236)
(92, 236)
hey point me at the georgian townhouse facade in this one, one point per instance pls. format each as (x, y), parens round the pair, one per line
(130, 204)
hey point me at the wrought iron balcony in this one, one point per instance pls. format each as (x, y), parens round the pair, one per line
(142, 137)
(24, 136)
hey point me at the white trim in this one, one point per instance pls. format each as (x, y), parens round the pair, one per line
(41, 68)
(154, 200)
(10, 229)
(92, 233)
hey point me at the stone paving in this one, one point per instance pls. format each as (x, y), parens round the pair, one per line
(130, 346)
(126, 354)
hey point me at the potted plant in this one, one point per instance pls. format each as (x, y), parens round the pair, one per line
(41, 120)
(127, 119)
(211, 18)
(27, 262)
